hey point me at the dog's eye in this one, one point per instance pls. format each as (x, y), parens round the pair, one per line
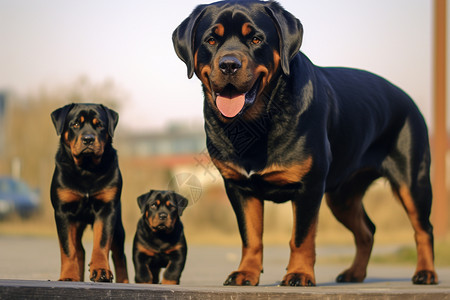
(153, 206)
(76, 125)
(211, 41)
(256, 40)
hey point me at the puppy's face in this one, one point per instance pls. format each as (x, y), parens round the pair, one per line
(85, 129)
(161, 209)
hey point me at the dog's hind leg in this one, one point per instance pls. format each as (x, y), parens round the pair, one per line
(423, 232)
(408, 170)
(118, 252)
(346, 205)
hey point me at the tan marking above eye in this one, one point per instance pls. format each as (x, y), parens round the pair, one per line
(219, 29)
(246, 29)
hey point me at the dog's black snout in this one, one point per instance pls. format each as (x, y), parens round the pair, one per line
(229, 65)
(162, 216)
(88, 139)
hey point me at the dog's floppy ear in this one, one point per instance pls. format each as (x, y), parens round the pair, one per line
(142, 199)
(113, 119)
(182, 203)
(59, 117)
(183, 38)
(290, 33)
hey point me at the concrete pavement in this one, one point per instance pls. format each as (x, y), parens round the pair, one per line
(30, 266)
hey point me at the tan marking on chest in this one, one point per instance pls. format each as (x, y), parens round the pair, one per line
(175, 248)
(229, 170)
(281, 175)
(106, 195)
(68, 195)
(275, 173)
(148, 251)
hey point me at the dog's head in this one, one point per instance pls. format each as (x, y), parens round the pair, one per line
(85, 129)
(236, 48)
(161, 209)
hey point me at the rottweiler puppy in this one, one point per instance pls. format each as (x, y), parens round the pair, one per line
(280, 128)
(86, 189)
(159, 241)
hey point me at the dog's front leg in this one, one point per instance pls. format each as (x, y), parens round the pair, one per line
(103, 228)
(249, 213)
(177, 260)
(141, 265)
(72, 251)
(300, 270)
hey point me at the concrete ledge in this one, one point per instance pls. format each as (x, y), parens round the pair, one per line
(31, 289)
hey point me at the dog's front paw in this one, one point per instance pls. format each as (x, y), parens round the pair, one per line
(101, 275)
(242, 278)
(298, 279)
(425, 277)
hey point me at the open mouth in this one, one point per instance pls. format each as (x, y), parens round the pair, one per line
(232, 103)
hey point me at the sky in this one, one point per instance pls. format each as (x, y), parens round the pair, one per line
(50, 43)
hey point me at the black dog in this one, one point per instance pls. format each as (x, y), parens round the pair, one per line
(159, 241)
(86, 189)
(280, 128)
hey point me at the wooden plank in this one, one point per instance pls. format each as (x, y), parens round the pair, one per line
(31, 289)
(440, 208)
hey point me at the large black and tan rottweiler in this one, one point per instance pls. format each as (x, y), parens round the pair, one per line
(86, 189)
(280, 128)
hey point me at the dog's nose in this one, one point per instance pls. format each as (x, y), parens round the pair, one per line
(88, 139)
(229, 65)
(162, 216)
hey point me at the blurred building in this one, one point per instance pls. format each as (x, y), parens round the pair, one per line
(175, 140)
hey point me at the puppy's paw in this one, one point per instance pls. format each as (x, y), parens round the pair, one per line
(101, 275)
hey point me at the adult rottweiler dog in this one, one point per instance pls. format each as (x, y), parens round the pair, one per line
(159, 241)
(86, 189)
(280, 128)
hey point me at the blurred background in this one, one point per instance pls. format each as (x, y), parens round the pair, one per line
(120, 54)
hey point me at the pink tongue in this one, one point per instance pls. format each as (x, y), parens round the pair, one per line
(230, 107)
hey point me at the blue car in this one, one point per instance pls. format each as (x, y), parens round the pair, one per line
(17, 196)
